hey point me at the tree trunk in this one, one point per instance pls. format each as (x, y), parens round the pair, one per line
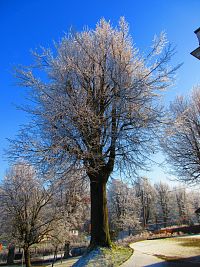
(100, 235)
(11, 254)
(66, 250)
(165, 221)
(129, 230)
(27, 257)
(55, 256)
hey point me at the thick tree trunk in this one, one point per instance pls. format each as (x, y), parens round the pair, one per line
(99, 215)
(27, 257)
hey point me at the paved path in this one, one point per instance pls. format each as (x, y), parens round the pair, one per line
(140, 258)
(145, 254)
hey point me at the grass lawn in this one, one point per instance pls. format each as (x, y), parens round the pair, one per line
(190, 242)
(187, 242)
(183, 254)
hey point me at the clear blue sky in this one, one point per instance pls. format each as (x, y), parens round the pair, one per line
(26, 25)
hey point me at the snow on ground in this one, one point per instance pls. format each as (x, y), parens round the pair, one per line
(102, 257)
(66, 263)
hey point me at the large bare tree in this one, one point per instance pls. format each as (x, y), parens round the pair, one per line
(95, 107)
(181, 139)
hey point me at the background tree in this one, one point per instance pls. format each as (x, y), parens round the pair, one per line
(181, 142)
(146, 195)
(26, 211)
(163, 196)
(183, 206)
(195, 203)
(73, 205)
(96, 109)
(124, 210)
(6, 234)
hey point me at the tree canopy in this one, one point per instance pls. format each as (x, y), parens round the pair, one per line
(97, 103)
(94, 107)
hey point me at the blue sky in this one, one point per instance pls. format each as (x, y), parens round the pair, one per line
(25, 25)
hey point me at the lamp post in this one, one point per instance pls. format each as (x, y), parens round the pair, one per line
(196, 52)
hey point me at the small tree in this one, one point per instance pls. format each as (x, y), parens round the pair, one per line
(146, 195)
(72, 203)
(27, 214)
(6, 234)
(163, 201)
(195, 203)
(97, 109)
(183, 205)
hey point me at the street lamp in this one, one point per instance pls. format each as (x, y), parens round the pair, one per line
(196, 52)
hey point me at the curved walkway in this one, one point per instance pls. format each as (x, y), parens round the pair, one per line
(148, 253)
(140, 258)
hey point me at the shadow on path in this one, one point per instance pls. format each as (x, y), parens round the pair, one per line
(186, 262)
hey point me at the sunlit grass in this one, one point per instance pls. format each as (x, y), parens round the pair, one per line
(190, 242)
(187, 242)
(105, 257)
